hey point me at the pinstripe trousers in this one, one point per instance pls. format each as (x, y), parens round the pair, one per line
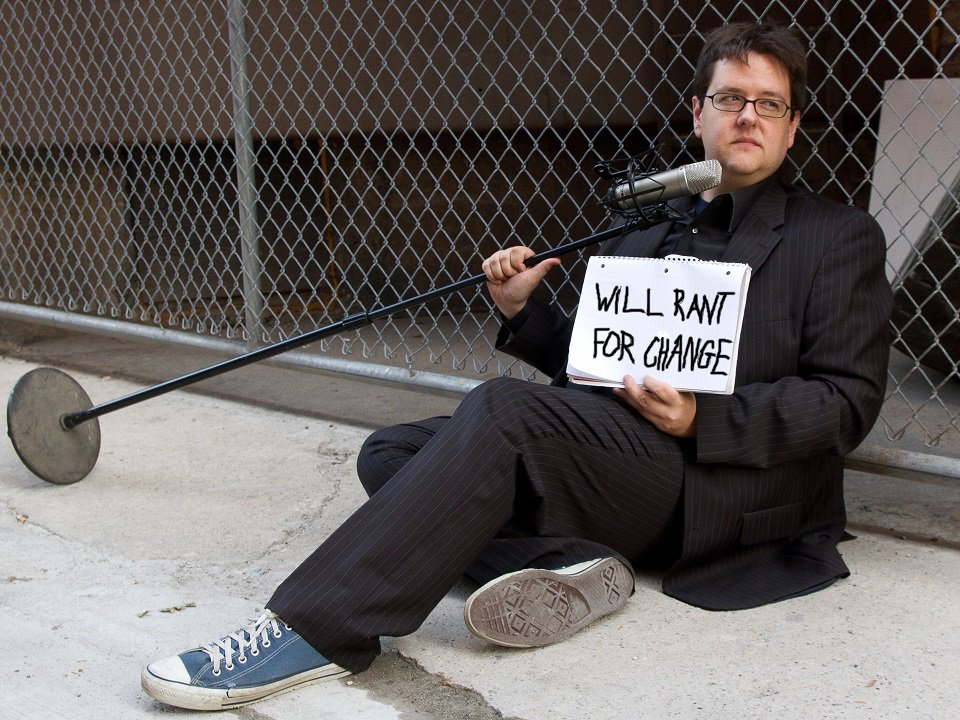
(521, 475)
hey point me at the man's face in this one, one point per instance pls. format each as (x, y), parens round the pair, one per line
(749, 147)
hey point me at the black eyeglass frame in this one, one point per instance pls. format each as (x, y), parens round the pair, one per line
(787, 108)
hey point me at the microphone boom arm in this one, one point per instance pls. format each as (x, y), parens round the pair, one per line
(651, 216)
(53, 425)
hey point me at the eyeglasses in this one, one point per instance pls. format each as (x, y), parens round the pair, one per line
(765, 107)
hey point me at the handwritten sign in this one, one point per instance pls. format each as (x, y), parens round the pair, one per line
(677, 319)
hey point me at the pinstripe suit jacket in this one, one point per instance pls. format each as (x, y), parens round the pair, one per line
(763, 489)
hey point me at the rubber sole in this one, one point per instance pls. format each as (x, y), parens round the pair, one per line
(191, 697)
(533, 608)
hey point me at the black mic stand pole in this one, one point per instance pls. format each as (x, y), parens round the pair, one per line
(49, 414)
(351, 322)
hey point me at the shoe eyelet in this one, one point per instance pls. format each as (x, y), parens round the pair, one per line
(242, 660)
(228, 668)
(266, 643)
(216, 673)
(278, 634)
(255, 653)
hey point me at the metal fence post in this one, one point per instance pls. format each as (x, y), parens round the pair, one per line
(246, 174)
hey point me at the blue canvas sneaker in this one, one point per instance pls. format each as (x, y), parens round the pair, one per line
(261, 659)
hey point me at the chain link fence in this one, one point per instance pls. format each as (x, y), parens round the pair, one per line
(254, 169)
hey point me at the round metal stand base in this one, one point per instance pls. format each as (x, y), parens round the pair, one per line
(37, 403)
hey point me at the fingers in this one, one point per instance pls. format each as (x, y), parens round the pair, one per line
(509, 280)
(504, 264)
(663, 405)
(663, 392)
(633, 392)
(540, 270)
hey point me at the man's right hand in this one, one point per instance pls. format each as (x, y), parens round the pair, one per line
(510, 282)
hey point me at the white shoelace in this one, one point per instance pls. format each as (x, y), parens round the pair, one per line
(250, 637)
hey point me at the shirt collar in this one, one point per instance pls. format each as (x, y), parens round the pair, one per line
(741, 201)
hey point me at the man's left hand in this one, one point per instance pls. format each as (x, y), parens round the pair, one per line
(670, 410)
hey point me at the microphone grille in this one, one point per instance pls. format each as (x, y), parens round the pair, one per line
(702, 175)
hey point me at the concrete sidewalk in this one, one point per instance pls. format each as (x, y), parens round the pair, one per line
(199, 506)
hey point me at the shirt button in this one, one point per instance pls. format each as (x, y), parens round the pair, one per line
(695, 231)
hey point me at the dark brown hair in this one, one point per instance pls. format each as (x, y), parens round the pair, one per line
(736, 40)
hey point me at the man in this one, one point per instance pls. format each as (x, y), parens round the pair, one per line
(549, 496)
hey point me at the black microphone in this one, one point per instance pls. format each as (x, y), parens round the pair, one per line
(634, 193)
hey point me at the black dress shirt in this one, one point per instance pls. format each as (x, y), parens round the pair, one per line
(705, 228)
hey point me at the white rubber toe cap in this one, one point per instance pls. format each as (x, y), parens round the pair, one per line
(171, 669)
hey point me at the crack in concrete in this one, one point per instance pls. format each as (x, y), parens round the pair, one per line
(402, 682)
(906, 536)
(310, 518)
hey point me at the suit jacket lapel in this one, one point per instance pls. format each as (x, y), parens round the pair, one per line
(644, 243)
(759, 232)
(754, 239)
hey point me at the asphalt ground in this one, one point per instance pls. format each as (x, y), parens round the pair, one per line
(202, 500)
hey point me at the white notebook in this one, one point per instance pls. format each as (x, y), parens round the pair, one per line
(677, 319)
